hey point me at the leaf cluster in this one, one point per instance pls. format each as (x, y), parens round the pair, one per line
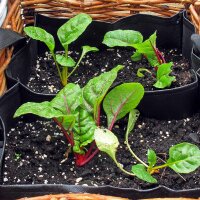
(147, 49)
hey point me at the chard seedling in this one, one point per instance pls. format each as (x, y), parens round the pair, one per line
(67, 34)
(183, 157)
(77, 110)
(148, 49)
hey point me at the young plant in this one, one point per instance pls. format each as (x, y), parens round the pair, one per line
(77, 111)
(183, 157)
(148, 49)
(67, 34)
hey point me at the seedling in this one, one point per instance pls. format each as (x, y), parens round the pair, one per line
(183, 158)
(67, 34)
(77, 111)
(17, 156)
(148, 49)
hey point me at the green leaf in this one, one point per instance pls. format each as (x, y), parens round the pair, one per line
(133, 116)
(147, 48)
(164, 81)
(164, 69)
(73, 28)
(43, 109)
(65, 61)
(122, 38)
(68, 99)
(40, 34)
(163, 78)
(152, 158)
(106, 141)
(140, 70)
(184, 158)
(96, 89)
(68, 121)
(87, 49)
(140, 171)
(121, 100)
(83, 129)
(136, 56)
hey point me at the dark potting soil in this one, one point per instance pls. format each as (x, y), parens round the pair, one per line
(38, 153)
(44, 76)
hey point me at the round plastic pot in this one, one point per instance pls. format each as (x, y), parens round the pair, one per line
(174, 32)
(19, 191)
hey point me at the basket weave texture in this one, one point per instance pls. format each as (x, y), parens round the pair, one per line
(22, 12)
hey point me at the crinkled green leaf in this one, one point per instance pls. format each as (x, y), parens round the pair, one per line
(121, 100)
(83, 130)
(73, 28)
(65, 61)
(164, 69)
(140, 70)
(152, 158)
(147, 48)
(68, 99)
(141, 172)
(40, 34)
(136, 56)
(122, 38)
(106, 141)
(43, 109)
(184, 158)
(96, 88)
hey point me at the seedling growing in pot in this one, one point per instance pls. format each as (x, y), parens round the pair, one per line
(183, 158)
(148, 49)
(77, 110)
(67, 34)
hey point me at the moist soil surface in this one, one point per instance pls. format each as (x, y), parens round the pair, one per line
(37, 152)
(44, 76)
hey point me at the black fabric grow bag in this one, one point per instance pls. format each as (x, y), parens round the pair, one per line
(13, 192)
(8, 105)
(174, 32)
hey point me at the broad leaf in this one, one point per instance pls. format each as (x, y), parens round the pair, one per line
(147, 48)
(65, 61)
(40, 34)
(140, 171)
(184, 158)
(83, 130)
(121, 100)
(73, 28)
(43, 109)
(87, 49)
(152, 158)
(68, 99)
(96, 88)
(122, 38)
(106, 141)
(140, 70)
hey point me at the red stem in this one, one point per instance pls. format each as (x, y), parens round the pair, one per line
(82, 160)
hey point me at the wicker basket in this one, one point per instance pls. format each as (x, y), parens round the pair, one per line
(22, 12)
